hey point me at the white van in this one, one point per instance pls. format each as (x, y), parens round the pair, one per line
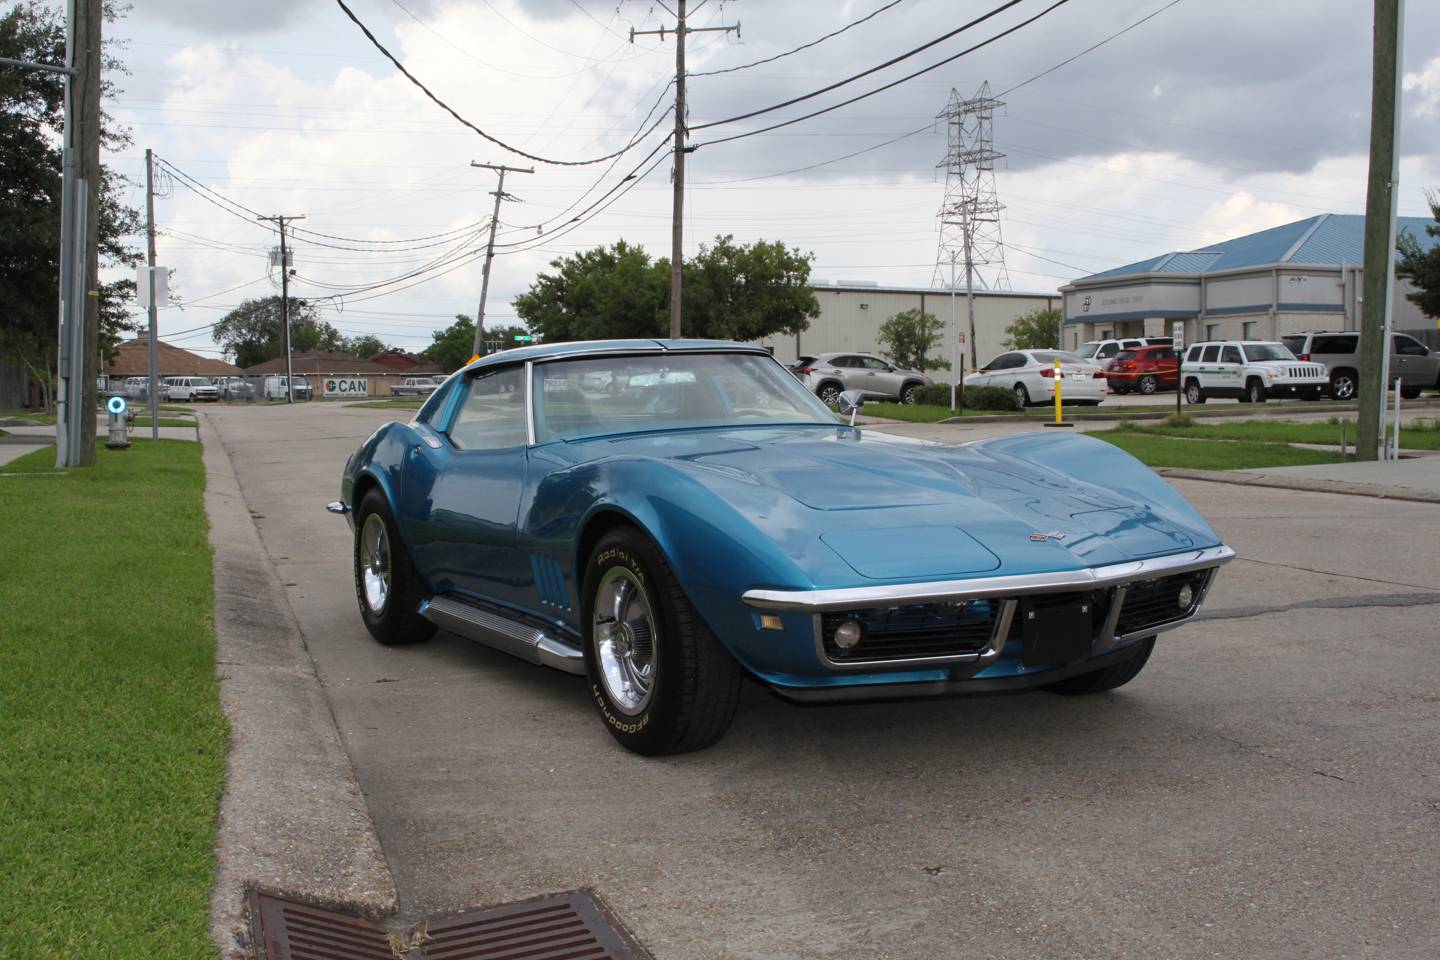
(276, 388)
(190, 389)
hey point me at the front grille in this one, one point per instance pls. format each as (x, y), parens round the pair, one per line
(1152, 603)
(1304, 373)
(913, 631)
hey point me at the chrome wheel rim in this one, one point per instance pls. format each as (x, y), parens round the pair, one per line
(1147, 384)
(624, 635)
(375, 562)
(829, 395)
(1344, 388)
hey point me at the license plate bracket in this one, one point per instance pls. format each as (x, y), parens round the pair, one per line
(1057, 631)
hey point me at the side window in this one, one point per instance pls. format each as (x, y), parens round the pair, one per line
(844, 363)
(1212, 353)
(492, 412)
(1231, 355)
(1009, 361)
(1194, 355)
(1334, 345)
(1410, 347)
(1108, 350)
(874, 363)
(1132, 344)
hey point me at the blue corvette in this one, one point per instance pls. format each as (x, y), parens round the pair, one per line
(665, 517)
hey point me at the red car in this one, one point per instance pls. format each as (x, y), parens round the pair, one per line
(1144, 370)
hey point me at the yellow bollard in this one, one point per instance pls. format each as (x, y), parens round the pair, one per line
(1059, 377)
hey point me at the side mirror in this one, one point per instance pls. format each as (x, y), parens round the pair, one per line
(850, 403)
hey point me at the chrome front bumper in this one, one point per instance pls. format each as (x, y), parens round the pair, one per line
(1008, 593)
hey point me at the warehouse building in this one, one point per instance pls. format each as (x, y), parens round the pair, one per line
(851, 315)
(1300, 276)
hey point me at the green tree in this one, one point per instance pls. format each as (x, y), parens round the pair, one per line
(745, 293)
(31, 119)
(365, 346)
(608, 293)
(732, 291)
(451, 348)
(1037, 330)
(907, 338)
(255, 331)
(1422, 267)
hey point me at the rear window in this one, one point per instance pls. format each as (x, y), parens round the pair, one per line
(1127, 355)
(1296, 344)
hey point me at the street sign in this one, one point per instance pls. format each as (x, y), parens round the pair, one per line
(523, 338)
(1177, 333)
(346, 387)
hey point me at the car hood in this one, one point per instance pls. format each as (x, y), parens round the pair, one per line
(844, 503)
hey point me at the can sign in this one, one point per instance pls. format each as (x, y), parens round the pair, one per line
(346, 387)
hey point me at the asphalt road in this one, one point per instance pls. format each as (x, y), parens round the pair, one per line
(1269, 787)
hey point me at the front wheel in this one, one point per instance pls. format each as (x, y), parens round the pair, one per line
(907, 395)
(1193, 393)
(660, 680)
(1106, 678)
(1254, 392)
(386, 583)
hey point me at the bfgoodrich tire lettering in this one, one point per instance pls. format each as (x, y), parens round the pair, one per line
(395, 619)
(688, 697)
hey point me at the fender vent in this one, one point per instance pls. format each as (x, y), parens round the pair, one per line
(570, 926)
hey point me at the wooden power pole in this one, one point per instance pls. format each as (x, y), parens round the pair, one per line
(1379, 228)
(677, 222)
(490, 247)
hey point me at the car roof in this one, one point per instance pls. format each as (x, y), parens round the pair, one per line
(573, 348)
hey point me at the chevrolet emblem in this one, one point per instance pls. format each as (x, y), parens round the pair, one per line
(1038, 537)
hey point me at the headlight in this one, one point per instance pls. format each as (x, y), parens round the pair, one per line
(848, 634)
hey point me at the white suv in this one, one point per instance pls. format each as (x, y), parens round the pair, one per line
(1100, 352)
(1250, 370)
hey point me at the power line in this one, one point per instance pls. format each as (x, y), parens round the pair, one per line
(374, 41)
(894, 83)
(803, 46)
(865, 73)
(1088, 49)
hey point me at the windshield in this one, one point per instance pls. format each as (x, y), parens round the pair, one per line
(1087, 350)
(1267, 351)
(201, 382)
(629, 394)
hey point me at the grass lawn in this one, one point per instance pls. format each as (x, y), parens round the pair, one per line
(112, 742)
(1421, 435)
(38, 416)
(387, 404)
(1160, 451)
(164, 422)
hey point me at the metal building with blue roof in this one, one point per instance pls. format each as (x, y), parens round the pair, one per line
(1298, 276)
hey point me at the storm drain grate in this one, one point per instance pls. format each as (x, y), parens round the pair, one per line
(570, 926)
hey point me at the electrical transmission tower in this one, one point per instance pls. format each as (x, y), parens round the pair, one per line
(970, 215)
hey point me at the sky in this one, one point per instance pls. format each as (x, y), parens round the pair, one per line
(1211, 119)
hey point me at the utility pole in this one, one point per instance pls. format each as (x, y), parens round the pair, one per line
(490, 245)
(1380, 227)
(677, 221)
(285, 301)
(150, 282)
(970, 290)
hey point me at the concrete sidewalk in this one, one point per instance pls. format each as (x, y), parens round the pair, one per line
(1419, 475)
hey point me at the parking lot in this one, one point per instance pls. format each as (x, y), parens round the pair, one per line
(1269, 787)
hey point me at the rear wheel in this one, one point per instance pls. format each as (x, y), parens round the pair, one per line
(1343, 385)
(1022, 394)
(1409, 393)
(1148, 385)
(386, 583)
(829, 393)
(1106, 678)
(1193, 393)
(661, 681)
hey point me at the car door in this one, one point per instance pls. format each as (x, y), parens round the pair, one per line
(461, 486)
(1229, 374)
(1412, 363)
(852, 374)
(1209, 367)
(881, 379)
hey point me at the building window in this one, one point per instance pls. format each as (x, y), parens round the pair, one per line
(1212, 331)
(1248, 330)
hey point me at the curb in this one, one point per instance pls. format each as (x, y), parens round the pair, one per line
(293, 821)
(1241, 478)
